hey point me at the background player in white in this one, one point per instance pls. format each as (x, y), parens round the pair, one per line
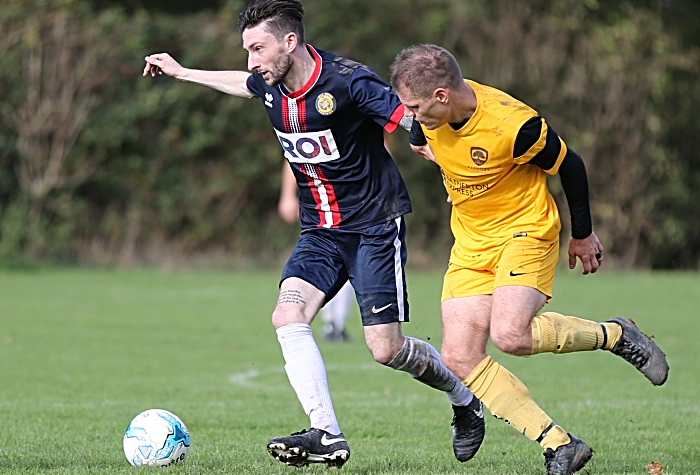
(334, 245)
(335, 313)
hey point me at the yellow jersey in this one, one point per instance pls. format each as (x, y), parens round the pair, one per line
(495, 196)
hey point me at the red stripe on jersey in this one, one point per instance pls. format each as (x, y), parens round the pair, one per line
(324, 195)
(306, 170)
(285, 116)
(395, 119)
(314, 76)
(301, 114)
(332, 200)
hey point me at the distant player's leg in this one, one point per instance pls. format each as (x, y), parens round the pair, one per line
(379, 281)
(335, 314)
(466, 323)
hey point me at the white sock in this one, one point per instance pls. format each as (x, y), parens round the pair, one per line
(307, 375)
(460, 395)
(422, 361)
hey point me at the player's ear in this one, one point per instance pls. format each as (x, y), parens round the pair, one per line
(290, 42)
(441, 94)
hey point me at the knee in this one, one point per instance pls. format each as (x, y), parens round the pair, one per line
(461, 362)
(384, 351)
(283, 316)
(508, 341)
(452, 360)
(383, 357)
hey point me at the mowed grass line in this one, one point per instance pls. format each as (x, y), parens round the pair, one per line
(83, 351)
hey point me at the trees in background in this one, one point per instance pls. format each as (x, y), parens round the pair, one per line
(100, 165)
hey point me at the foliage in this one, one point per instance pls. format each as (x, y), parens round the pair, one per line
(102, 166)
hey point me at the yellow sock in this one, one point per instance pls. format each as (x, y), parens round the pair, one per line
(507, 398)
(614, 331)
(556, 333)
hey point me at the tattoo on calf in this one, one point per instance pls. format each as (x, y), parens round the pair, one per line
(290, 296)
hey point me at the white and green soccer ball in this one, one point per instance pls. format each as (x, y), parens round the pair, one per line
(156, 437)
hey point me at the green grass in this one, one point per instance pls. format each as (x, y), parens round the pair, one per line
(83, 351)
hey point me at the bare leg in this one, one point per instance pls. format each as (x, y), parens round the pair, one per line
(513, 308)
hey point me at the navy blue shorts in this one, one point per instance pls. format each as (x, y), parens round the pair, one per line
(372, 258)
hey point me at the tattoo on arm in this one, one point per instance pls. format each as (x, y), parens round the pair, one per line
(291, 296)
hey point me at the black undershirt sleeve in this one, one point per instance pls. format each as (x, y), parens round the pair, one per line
(528, 135)
(417, 137)
(574, 180)
(572, 172)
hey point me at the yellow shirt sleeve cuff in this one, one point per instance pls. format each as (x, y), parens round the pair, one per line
(535, 149)
(562, 153)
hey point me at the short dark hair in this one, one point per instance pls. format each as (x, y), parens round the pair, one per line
(281, 17)
(423, 68)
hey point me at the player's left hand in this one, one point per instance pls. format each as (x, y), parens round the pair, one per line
(425, 152)
(589, 250)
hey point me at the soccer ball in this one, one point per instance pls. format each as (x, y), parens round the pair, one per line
(156, 437)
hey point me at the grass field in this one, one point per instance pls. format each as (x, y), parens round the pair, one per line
(83, 351)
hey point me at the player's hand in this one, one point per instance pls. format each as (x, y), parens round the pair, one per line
(161, 63)
(589, 250)
(425, 152)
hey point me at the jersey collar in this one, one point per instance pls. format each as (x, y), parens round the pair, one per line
(469, 125)
(312, 80)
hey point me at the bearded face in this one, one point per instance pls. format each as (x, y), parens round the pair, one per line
(266, 54)
(279, 69)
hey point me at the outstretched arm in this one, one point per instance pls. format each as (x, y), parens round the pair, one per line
(230, 82)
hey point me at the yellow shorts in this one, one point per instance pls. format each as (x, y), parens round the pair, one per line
(521, 261)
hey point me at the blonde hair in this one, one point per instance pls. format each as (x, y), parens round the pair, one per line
(423, 68)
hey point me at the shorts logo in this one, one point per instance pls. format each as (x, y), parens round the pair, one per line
(325, 103)
(309, 147)
(479, 155)
(377, 310)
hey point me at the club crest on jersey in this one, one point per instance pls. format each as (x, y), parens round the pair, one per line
(325, 103)
(479, 155)
(309, 147)
(268, 99)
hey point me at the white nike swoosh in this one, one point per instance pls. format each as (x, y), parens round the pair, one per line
(377, 310)
(326, 441)
(480, 414)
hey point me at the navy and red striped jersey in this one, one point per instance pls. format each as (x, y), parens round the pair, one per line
(331, 132)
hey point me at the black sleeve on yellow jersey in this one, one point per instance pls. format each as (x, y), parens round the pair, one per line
(574, 180)
(529, 135)
(572, 171)
(417, 136)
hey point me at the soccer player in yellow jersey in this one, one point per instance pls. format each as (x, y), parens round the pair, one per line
(495, 153)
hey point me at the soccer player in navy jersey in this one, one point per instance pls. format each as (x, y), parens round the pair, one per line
(329, 114)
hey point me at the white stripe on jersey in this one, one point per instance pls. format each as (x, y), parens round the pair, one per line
(293, 114)
(398, 271)
(323, 195)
